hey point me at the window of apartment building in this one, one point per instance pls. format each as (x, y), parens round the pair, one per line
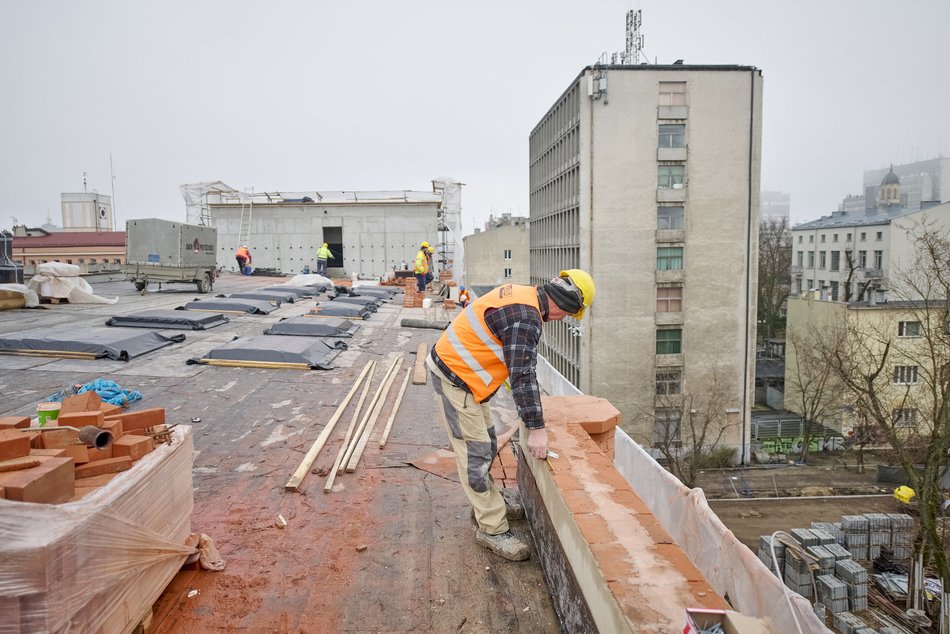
(669, 258)
(834, 237)
(669, 381)
(669, 218)
(908, 329)
(864, 236)
(811, 284)
(82, 260)
(799, 282)
(834, 291)
(811, 259)
(862, 259)
(799, 239)
(905, 417)
(823, 238)
(878, 259)
(836, 260)
(32, 262)
(669, 299)
(669, 341)
(847, 238)
(115, 260)
(507, 254)
(822, 259)
(92, 260)
(507, 273)
(879, 236)
(671, 176)
(69, 261)
(672, 93)
(811, 239)
(801, 256)
(672, 135)
(666, 428)
(905, 374)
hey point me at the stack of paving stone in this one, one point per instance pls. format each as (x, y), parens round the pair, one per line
(826, 560)
(879, 533)
(805, 537)
(766, 543)
(848, 623)
(832, 528)
(856, 578)
(902, 536)
(855, 529)
(839, 552)
(798, 574)
(833, 593)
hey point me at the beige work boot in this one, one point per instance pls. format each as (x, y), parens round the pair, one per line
(514, 509)
(504, 545)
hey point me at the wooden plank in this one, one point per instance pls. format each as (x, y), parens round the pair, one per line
(321, 440)
(349, 432)
(357, 436)
(392, 415)
(355, 459)
(419, 372)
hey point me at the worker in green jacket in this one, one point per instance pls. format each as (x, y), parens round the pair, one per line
(323, 254)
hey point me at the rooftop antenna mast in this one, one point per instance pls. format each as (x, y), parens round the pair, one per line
(634, 38)
(84, 182)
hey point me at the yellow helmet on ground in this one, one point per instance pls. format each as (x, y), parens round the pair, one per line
(425, 245)
(583, 285)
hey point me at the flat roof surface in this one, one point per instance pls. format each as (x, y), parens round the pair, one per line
(391, 549)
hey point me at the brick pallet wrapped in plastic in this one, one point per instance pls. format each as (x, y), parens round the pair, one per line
(99, 563)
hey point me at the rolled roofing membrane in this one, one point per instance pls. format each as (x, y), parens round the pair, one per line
(267, 296)
(341, 309)
(177, 319)
(309, 327)
(299, 291)
(279, 353)
(371, 303)
(89, 343)
(384, 292)
(227, 305)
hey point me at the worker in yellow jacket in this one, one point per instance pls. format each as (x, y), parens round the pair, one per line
(492, 342)
(420, 266)
(323, 254)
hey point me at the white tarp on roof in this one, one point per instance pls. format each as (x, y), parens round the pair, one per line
(62, 281)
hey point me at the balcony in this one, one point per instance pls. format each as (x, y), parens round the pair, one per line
(671, 154)
(672, 112)
(671, 194)
(796, 270)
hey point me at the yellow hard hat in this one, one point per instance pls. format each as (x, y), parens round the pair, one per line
(425, 245)
(583, 285)
(325, 244)
(431, 250)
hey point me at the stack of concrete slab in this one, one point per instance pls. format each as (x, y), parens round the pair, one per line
(856, 578)
(798, 574)
(848, 623)
(832, 528)
(805, 537)
(768, 544)
(826, 560)
(832, 592)
(879, 533)
(856, 537)
(902, 536)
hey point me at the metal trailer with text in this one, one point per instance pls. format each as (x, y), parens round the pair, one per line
(164, 251)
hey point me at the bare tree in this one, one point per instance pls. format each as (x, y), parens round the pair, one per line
(775, 260)
(897, 374)
(688, 429)
(852, 267)
(812, 388)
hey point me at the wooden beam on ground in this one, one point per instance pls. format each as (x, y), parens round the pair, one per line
(392, 415)
(349, 431)
(419, 372)
(321, 440)
(369, 410)
(355, 459)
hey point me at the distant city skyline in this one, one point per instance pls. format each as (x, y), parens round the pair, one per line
(307, 96)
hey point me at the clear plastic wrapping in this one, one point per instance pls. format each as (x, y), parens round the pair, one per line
(99, 563)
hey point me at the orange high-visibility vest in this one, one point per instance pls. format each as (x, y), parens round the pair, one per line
(243, 253)
(471, 351)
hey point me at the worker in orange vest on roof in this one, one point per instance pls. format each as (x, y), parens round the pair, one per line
(492, 342)
(243, 257)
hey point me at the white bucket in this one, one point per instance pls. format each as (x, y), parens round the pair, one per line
(427, 303)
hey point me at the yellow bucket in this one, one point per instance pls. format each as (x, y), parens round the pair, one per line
(47, 413)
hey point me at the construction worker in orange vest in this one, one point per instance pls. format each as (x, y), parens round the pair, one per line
(243, 257)
(464, 297)
(492, 342)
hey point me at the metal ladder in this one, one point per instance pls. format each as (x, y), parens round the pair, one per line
(247, 209)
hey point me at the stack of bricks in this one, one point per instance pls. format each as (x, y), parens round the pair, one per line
(504, 470)
(767, 544)
(832, 528)
(879, 533)
(409, 300)
(826, 560)
(832, 592)
(54, 466)
(848, 623)
(856, 578)
(798, 576)
(902, 536)
(855, 529)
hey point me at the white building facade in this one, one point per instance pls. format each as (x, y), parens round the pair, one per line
(648, 178)
(499, 254)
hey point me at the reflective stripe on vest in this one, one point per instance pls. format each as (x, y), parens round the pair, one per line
(469, 349)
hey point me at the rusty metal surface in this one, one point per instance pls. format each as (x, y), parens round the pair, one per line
(390, 549)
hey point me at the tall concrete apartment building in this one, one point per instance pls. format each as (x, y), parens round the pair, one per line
(648, 177)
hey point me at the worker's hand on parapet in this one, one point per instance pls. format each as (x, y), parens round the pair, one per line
(538, 443)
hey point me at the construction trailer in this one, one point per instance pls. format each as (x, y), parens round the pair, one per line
(163, 251)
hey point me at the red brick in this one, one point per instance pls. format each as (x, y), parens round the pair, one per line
(115, 427)
(705, 596)
(630, 500)
(605, 441)
(579, 501)
(507, 457)
(108, 409)
(79, 453)
(14, 422)
(595, 415)
(100, 454)
(566, 480)
(13, 444)
(680, 561)
(80, 419)
(52, 453)
(58, 438)
(51, 482)
(132, 446)
(18, 464)
(109, 465)
(140, 419)
(85, 402)
(613, 561)
(656, 531)
(594, 528)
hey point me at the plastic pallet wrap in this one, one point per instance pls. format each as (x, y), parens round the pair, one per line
(98, 564)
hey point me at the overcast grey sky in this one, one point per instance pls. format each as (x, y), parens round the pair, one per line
(310, 95)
